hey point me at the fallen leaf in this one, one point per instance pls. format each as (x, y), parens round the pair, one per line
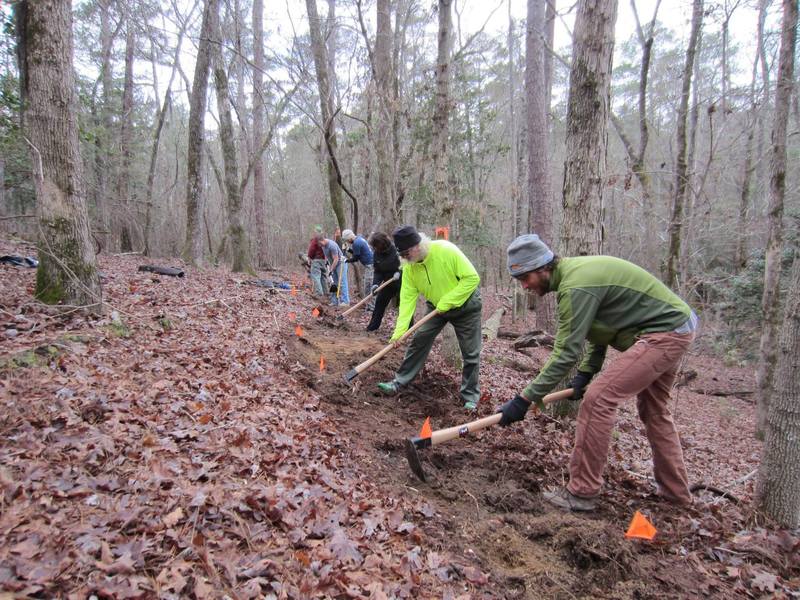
(172, 518)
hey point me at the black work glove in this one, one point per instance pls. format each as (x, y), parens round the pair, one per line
(578, 384)
(513, 410)
(351, 259)
(334, 288)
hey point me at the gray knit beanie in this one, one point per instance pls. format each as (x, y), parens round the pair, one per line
(527, 253)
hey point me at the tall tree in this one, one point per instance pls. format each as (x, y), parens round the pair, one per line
(384, 88)
(671, 269)
(441, 115)
(259, 178)
(67, 271)
(636, 155)
(326, 103)
(125, 139)
(161, 118)
(536, 131)
(770, 300)
(588, 108)
(193, 246)
(227, 137)
(778, 489)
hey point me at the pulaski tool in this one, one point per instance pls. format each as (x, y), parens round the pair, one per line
(368, 296)
(413, 445)
(357, 370)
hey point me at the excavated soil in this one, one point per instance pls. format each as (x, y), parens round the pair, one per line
(484, 491)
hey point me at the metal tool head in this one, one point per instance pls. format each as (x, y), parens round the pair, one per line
(412, 445)
(350, 375)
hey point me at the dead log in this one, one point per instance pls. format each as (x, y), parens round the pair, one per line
(534, 339)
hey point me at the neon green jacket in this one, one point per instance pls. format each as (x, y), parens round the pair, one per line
(446, 278)
(609, 302)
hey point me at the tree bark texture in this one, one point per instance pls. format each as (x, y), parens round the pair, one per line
(233, 192)
(540, 208)
(778, 489)
(325, 88)
(195, 197)
(441, 116)
(124, 218)
(770, 300)
(587, 126)
(259, 178)
(671, 268)
(67, 271)
(384, 116)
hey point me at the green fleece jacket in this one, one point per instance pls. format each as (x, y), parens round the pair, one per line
(609, 302)
(446, 278)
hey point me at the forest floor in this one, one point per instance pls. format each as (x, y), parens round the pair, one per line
(199, 440)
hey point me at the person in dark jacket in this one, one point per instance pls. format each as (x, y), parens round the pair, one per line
(386, 263)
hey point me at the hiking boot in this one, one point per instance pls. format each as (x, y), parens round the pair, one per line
(471, 405)
(563, 498)
(390, 388)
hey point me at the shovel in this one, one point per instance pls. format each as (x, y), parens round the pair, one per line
(395, 277)
(445, 435)
(356, 371)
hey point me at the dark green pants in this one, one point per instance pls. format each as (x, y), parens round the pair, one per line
(466, 321)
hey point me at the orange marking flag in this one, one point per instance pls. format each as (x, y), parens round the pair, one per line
(321, 364)
(298, 331)
(315, 312)
(292, 316)
(640, 528)
(426, 432)
(294, 291)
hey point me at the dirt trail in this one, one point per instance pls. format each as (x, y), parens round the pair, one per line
(484, 491)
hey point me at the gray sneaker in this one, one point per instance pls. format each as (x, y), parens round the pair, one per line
(562, 498)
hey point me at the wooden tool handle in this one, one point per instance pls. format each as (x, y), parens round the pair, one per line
(444, 435)
(367, 297)
(371, 361)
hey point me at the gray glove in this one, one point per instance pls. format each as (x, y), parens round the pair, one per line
(373, 289)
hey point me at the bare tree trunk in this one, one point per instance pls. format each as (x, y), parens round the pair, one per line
(193, 246)
(747, 176)
(259, 179)
(67, 271)
(441, 116)
(233, 191)
(778, 489)
(636, 156)
(539, 191)
(125, 137)
(103, 138)
(537, 139)
(384, 88)
(693, 187)
(160, 119)
(770, 301)
(587, 126)
(326, 109)
(671, 273)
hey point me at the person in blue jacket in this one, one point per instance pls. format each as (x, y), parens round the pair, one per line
(360, 252)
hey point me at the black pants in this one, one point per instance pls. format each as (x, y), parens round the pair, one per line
(381, 302)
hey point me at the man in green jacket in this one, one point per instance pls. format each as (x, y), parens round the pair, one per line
(440, 272)
(609, 302)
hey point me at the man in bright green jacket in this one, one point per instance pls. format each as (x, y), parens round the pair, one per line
(609, 302)
(441, 273)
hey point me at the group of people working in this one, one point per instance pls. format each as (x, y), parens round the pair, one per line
(602, 300)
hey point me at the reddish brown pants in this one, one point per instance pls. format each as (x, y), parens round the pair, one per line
(646, 370)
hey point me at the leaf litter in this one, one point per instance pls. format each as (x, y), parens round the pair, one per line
(214, 457)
